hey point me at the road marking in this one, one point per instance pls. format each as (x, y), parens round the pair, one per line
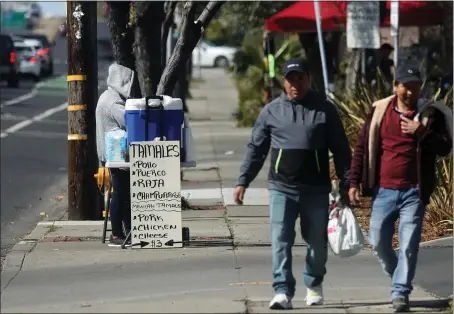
(37, 118)
(10, 117)
(28, 95)
(19, 99)
(42, 135)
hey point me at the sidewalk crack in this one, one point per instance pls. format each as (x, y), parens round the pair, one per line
(15, 275)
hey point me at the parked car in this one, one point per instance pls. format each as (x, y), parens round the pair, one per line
(45, 52)
(9, 63)
(30, 61)
(212, 55)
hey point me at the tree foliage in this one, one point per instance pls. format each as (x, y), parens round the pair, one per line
(245, 15)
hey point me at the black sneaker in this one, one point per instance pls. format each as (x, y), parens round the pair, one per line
(115, 241)
(401, 304)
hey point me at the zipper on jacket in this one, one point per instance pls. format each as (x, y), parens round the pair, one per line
(316, 160)
(278, 160)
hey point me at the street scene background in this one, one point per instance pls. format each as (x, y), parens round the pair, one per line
(55, 265)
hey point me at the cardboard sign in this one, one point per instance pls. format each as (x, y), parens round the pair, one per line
(155, 194)
(363, 24)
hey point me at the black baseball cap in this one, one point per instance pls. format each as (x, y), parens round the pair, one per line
(408, 74)
(295, 65)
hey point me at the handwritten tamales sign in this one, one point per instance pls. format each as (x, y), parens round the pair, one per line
(155, 194)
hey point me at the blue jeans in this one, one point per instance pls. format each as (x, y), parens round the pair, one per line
(120, 208)
(389, 205)
(314, 214)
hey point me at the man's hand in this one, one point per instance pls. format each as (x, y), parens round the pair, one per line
(238, 194)
(409, 126)
(353, 195)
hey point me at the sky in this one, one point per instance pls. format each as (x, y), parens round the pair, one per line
(54, 8)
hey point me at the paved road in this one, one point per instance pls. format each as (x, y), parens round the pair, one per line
(27, 85)
(34, 150)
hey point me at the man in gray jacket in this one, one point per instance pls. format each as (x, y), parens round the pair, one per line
(300, 127)
(110, 114)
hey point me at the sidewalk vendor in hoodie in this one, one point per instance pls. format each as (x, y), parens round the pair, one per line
(300, 127)
(394, 161)
(110, 114)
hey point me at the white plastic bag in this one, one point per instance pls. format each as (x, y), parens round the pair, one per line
(345, 236)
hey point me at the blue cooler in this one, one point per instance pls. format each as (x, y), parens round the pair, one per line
(163, 117)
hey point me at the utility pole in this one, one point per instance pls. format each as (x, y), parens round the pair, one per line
(82, 98)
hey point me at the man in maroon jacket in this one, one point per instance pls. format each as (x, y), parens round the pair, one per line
(394, 161)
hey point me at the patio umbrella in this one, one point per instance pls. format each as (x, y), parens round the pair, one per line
(300, 17)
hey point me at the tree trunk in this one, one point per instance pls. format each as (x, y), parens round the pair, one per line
(166, 25)
(190, 35)
(122, 36)
(189, 76)
(148, 19)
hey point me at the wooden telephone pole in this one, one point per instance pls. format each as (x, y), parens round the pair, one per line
(82, 99)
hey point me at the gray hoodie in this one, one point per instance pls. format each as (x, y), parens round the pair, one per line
(110, 111)
(300, 135)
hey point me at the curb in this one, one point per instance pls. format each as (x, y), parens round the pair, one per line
(431, 243)
(435, 241)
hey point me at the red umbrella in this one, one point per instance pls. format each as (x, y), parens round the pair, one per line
(417, 13)
(300, 17)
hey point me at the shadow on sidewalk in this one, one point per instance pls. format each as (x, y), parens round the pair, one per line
(440, 304)
(249, 244)
(220, 241)
(431, 304)
(198, 244)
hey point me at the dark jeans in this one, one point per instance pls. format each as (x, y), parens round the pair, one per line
(120, 208)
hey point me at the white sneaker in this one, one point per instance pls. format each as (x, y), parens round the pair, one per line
(281, 302)
(314, 296)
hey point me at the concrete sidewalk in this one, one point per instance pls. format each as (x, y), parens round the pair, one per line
(62, 266)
